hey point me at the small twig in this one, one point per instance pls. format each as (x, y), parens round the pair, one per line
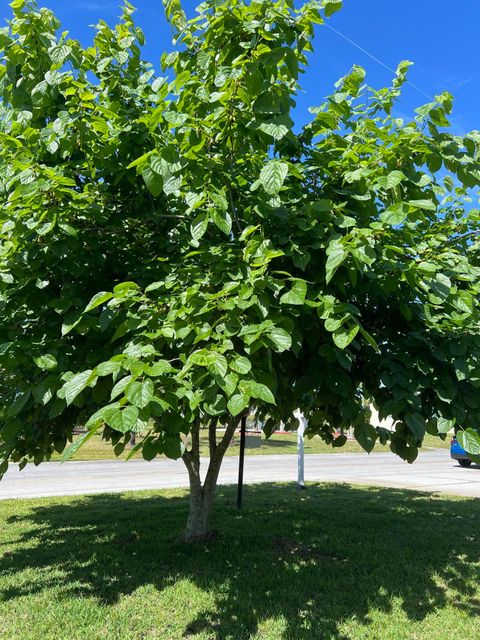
(463, 236)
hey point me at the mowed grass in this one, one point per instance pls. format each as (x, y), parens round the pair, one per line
(330, 563)
(98, 449)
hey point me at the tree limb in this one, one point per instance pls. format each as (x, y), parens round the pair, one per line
(212, 436)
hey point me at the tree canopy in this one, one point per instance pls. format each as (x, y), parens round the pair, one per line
(174, 252)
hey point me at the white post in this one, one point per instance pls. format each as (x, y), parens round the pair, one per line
(302, 425)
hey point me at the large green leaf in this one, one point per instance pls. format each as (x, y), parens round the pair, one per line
(153, 181)
(416, 424)
(46, 362)
(240, 364)
(238, 403)
(469, 439)
(331, 6)
(276, 128)
(98, 299)
(444, 425)
(366, 436)
(280, 338)
(257, 390)
(396, 214)
(336, 255)
(296, 295)
(223, 221)
(76, 385)
(272, 176)
(199, 226)
(123, 420)
(391, 180)
(140, 393)
(344, 335)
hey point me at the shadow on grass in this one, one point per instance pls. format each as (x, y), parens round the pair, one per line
(315, 558)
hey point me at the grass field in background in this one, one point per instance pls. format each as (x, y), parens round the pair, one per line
(96, 449)
(330, 563)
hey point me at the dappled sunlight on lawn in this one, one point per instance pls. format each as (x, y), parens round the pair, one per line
(331, 562)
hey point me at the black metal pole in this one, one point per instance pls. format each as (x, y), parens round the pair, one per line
(241, 461)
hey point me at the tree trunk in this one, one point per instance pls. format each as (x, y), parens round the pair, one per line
(201, 497)
(198, 522)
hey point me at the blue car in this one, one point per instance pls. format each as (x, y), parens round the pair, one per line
(459, 454)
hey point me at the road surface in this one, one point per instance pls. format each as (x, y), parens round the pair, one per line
(433, 471)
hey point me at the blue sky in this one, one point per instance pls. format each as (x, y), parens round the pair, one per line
(440, 36)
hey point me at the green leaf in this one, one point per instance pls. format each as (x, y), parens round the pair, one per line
(440, 288)
(444, 425)
(427, 268)
(277, 128)
(172, 185)
(79, 442)
(119, 388)
(47, 362)
(228, 383)
(123, 420)
(98, 299)
(416, 424)
(336, 255)
(391, 180)
(76, 385)
(240, 364)
(4, 347)
(396, 214)
(339, 441)
(428, 205)
(332, 6)
(107, 368)
(158, 368)
(153, 181)
(370, 339)
(464, 302)
(59, 54)
(17, 405)
(220, 366)
(280, 338)
(257, 390)
(272, 176)
(344, 335)
(100, 416)
(217, 406)
(366, 436)
(199, 226)
(238, 403)
(296, 295)
(470, 441)
(173, 447)
(223, 221)
(140, 393)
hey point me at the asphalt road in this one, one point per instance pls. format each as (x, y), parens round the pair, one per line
(433, 471)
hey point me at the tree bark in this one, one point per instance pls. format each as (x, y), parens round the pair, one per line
(202, 496)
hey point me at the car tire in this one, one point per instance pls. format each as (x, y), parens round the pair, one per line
(464, 463)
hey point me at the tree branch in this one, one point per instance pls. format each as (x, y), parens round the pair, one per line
(463, 236)
(212, 436)
(216, 459)
(191, 458)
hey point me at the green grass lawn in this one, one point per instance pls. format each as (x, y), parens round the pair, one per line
(329, 563)
(97, 449)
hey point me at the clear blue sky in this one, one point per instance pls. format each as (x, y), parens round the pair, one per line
(440, 36)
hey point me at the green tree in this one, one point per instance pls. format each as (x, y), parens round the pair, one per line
(174, 254)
